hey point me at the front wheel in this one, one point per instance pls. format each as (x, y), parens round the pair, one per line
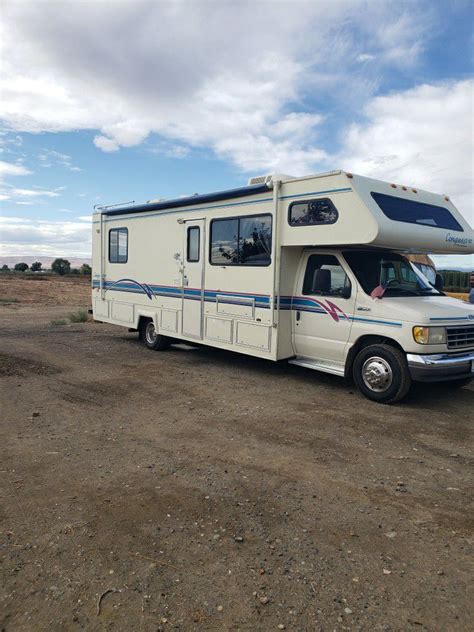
(151, 338)
(381, 373)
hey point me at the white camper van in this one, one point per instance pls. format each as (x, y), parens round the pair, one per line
(307, 269)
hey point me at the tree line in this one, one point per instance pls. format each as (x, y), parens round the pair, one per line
(455, 280)
(59, 266)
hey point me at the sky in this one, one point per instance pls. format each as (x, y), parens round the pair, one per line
(109, 102)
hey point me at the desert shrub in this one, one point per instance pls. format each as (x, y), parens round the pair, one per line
(78, 317)
(21, 267)
(58, 321)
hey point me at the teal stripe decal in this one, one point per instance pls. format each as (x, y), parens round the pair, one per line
(212, 296)
(454, 318)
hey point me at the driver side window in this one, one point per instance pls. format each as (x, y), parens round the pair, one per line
(325, 276)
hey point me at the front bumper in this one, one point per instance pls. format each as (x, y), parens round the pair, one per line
(439, 367)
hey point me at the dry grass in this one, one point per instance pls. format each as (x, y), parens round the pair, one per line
(53, 290)
(78, 317)
(462, 296)
(58, 321)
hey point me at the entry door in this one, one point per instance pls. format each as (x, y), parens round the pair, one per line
(322, 308)
(193, 278)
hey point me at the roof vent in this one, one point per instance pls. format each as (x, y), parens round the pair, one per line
(269, 177)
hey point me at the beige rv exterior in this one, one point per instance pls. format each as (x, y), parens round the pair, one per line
(252, 309)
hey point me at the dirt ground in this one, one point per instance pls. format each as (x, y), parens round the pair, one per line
(195, 489)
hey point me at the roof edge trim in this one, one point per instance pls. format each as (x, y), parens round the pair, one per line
(193, 200)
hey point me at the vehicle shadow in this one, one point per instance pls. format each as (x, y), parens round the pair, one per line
(200, 356)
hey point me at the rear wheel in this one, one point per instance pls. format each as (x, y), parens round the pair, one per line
(381, 373)
(151, 338)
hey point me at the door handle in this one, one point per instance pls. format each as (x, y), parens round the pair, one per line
(298, 316)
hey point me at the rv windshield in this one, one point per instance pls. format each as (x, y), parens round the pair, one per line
(388, 273)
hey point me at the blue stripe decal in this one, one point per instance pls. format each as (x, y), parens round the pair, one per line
(134, 287)
(293, 303)
(376, 322)
(218, 206)
(454, 318)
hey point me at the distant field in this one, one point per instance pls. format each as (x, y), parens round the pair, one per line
(45, 290)
(463, 296)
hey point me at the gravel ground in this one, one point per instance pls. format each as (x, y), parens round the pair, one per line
(195, 489)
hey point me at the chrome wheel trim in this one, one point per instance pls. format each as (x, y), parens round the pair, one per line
(150, 333)
(377, 374)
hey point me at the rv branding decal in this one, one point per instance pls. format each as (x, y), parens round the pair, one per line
(332, 309)
(458, 241)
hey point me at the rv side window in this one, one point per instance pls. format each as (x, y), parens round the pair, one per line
(412, 212)
(193, 243)
(118, 245)
(241, 241)
(312, 212)
(325, 276)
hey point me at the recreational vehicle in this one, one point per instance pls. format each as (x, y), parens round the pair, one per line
(311, 270)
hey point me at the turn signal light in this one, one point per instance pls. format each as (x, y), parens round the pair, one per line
(429, 335)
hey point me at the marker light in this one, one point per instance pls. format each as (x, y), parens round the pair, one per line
(429, 335)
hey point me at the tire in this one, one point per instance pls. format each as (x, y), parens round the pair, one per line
(455, 384)
(151, 338)
(381, 373)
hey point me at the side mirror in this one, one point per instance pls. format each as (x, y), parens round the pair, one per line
(322, 281)
(439, 283)
(346, 291)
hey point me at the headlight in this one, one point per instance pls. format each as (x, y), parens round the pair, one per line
(429, 335)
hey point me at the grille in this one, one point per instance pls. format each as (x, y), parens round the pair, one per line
(459, 337)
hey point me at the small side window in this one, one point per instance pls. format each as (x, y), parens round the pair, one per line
(324, 276)
(193, 244)
(118, 245)
(312, 212)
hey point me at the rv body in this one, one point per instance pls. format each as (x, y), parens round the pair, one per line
(305, 269)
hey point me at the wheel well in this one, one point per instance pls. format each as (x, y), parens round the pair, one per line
(365, 341)
(141, 322)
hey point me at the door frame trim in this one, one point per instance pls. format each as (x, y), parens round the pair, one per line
(188, 223)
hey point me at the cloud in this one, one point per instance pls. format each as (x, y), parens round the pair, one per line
(235, 78)
(422, 137)
(44, 237)
(106, 144)
(365, 57)
(50, 157)
(11, 169)
(21, 196)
